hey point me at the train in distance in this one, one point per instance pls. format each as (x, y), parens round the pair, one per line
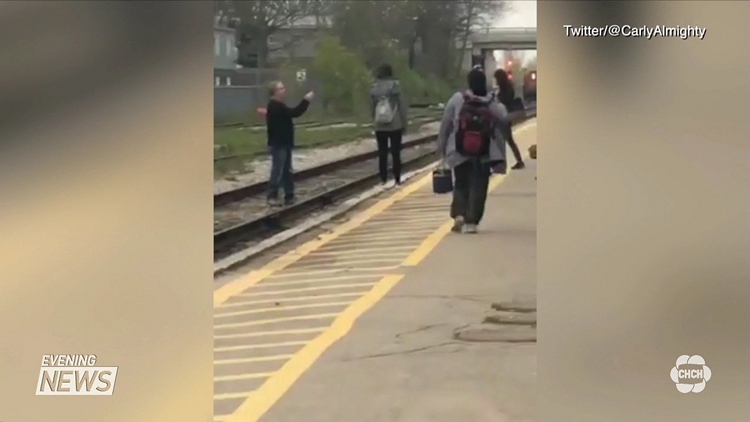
(529, 86)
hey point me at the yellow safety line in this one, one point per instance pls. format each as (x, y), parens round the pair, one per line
(350, 263)
(428, 245)
(259, 346)
(251, 360)
(264, 397)
(298, 299)
(274, 320)
(363, 250)
(290, 283)
(384, 255)
(360, 270)
(223, 293)
(280, 308)
(229, 396)
(260, 401)
(282, 277)
(252, 334)
(240, 377)
(348, 245)
(351, 249)
(300, 290)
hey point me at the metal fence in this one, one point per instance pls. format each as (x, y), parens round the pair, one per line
(254, 77)
(231, 102)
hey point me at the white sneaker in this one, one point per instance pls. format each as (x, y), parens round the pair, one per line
(470, 228)
(390, 184)
(458, 224)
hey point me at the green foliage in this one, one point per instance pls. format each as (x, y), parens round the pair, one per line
(420, 88)
(344, 76)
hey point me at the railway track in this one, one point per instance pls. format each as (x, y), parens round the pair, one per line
(242, 217)
(420, 120)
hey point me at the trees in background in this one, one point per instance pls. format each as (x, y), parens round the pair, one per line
(421, 39)
(259, 19)
(426, 34)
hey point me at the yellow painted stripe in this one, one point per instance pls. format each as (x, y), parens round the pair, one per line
(251, 360)
(350, 263)
(280, 308)
(269, 393)
(251, 334)
(348, 243)
(273, 281)
(298, 299)
(229, 396)
(259, 346)
(272, 284)
(274, 320)
(223, 293)
(360, 270)
(300, 290)
(364, 250)
(428, 245)
(382, 255)
(240, 377)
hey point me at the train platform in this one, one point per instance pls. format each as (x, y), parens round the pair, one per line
(381, 318)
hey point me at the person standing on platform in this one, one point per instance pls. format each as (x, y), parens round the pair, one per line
(280, 131)
(506, 95)
(472, 118)
(390, 119)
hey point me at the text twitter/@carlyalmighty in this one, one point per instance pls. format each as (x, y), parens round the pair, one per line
(642, 31)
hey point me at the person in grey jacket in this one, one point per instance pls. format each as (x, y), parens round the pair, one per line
(389, 114)
(471, 174)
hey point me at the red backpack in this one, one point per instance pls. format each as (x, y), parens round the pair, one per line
(475, 128)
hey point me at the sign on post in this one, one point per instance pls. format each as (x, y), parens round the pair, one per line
(301, 75)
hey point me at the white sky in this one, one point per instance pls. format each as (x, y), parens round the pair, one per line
(522, 14)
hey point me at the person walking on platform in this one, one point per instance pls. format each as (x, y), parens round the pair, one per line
(389, 116)
(470, 142)
(280, 131)
(506, 95)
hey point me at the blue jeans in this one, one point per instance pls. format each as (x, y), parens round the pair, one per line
(281, 172)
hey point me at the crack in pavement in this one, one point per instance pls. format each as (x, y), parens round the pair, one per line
(420, 329)
(405, 352)
(472, 298)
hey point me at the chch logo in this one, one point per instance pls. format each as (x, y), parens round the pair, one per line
(690, 374)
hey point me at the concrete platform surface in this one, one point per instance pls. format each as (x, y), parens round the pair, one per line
(401, 363)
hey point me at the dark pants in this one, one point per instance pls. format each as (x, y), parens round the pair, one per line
(472, 179)
(512, 143)
(281, 172)
(394, 138)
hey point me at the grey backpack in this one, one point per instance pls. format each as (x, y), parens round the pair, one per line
(384, 111)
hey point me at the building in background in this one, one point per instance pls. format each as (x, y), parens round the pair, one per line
(225, 51)
(297, 40)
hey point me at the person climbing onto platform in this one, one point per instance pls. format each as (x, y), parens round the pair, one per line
(280, 131)
(471, 143)
(389, 115)
(506, 95)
